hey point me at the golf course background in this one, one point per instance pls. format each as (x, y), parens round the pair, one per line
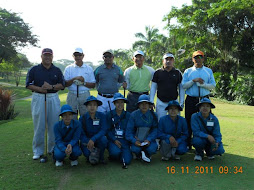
(19, 171)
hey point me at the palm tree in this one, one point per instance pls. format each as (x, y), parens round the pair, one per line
(151, 35)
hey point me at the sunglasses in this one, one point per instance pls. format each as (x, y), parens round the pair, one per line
(107, 56)
(198, 57)
(77, 54)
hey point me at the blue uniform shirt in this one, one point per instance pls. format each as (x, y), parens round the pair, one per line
(120, 124)
(93, 129)
(38, 74)
(60, 130)
(200, 131)
(192, 87)
(138, 119)
(167, 128)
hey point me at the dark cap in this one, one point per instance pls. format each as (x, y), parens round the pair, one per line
(47, 51)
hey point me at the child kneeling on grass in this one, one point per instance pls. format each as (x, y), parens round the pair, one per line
(94, 125)
(142, 130)
(206, 131)
(67, 134)
(173, 132)
(118, 146)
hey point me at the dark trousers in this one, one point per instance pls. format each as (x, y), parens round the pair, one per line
(190, 108)
(132, 97)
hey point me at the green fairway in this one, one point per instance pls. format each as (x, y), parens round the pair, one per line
(19, 171)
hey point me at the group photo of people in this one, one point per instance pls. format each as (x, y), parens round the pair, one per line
(143, 121)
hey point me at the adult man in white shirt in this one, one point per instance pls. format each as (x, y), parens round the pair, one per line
(79, 79)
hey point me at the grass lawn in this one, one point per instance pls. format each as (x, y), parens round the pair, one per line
(19, 171)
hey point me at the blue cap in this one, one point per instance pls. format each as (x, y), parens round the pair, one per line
(92, 98)
(205, 100)
(138, 52)
(144, 98)
(66, 108)
(174, 103)
(119, 96)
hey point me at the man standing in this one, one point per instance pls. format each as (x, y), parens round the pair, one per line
(79, 78)
(197, 81)
(166, 80)
(138, 79)
(44, 80)
(109, 78)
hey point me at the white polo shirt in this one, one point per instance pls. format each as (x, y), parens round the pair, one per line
(85, 71)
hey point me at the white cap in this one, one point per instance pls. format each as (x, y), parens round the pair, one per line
(108, 51)
(138, 52)
(166, 55)
(78, 50)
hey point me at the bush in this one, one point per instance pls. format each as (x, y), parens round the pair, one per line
(244, 92)
(6, 107)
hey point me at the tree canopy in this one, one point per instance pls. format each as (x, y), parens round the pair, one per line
(15, 33)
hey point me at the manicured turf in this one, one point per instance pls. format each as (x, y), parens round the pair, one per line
(19, 171)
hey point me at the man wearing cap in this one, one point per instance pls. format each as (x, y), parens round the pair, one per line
(142, 130)
(166, 81)
(79, 79)
(109, 78)
(138, 78)
(197, 82)
(67, 134)
(206, 131)
(173, 132)
(44, 80)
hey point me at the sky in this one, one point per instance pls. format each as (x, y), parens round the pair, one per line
(93, 25)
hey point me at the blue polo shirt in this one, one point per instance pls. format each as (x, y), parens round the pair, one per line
(107, 80)
(38, 74)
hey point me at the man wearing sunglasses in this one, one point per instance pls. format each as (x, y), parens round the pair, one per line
(197, 81)
(109, 78)
(79, 79)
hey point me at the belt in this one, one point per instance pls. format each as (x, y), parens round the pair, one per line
(197, 98)
(79, 92)
(106, 95)
(139, 93)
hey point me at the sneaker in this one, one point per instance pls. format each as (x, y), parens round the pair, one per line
(164, 158)
(58, 163)
(144, 157)
(176, 157)
(210, 157)
(198, 158)
(74, 163)
(36, 157)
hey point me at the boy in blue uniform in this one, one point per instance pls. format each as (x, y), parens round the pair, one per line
(206, 131)
(173, 132)
(67, 133)
(142, 129)
(93, 139)
(118, 146)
